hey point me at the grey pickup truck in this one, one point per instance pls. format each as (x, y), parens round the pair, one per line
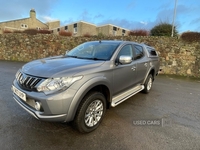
(80, 85)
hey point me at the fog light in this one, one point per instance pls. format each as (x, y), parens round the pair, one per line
(37, 106)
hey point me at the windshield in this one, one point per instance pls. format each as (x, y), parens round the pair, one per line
(94, 50)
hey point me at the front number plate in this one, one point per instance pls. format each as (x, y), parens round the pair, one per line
(19, 93)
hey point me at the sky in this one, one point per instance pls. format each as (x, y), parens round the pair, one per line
(129, 14)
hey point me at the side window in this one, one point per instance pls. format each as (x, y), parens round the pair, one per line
(127, 50)
(139, 53)
(152, 52)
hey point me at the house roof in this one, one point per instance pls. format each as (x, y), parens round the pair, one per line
(14, 20)
(112, 25)
(22, 19)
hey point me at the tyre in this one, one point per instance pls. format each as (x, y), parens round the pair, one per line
(148, 84)
(90, 112)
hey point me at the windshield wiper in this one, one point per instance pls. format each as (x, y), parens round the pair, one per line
(87, 58)
(96, 58)
(72, 56)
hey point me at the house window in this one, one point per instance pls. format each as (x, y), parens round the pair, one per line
(24, 26)
(58, 29)
(38, 28)
(123, 32)
(75, 28)
(66, 27)
(114, 31)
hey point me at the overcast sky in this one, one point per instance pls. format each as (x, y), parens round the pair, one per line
(130, 14)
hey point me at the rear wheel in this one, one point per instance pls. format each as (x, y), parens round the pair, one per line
(90, 112)
(148, 84)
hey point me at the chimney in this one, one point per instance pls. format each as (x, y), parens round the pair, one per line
(32, 14)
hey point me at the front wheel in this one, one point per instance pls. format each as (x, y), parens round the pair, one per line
(148, 84)
(90, 112)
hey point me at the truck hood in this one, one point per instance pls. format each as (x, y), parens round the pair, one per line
(59, 66)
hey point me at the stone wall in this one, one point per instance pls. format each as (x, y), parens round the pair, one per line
(176, 56)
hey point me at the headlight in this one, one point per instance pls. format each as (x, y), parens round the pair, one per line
(17, 74)
(52, 85)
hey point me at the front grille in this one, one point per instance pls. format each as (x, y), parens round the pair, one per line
(27, 82)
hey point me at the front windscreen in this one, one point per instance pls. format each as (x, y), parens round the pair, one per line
(94, 50)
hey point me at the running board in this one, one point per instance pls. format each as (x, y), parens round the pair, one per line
(124, 96)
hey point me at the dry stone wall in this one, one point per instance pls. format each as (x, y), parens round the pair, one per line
(176, 56)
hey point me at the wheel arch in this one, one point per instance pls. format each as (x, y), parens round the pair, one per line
(150, 71)
(92, 85)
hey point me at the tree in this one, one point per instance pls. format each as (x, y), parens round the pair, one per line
(163, 29)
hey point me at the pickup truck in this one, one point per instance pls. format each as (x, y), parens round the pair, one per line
(79, 86)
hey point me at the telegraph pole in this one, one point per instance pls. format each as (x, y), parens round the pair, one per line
(174, 18)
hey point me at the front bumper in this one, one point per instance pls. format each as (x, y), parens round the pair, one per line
(54, 107)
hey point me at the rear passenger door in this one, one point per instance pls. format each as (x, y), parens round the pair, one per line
(142, 63)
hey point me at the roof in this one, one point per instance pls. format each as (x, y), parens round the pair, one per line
(113, 25)
(78, 22)
(14, 20)
(21, 19)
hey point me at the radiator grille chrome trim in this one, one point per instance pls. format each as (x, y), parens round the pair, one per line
(28, 82)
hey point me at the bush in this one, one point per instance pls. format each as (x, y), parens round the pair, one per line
(86, 35)
(191, 36)
(7, 31)
(65, 33)
(31, 31)
(44, 31)
(163, 29)
(17, 31)
(138, 33)
(100, 35)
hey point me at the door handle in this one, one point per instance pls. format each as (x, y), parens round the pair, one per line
(133, 68)
(145, 64)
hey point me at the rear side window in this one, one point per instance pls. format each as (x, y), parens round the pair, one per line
(152, 51)
(139, 52)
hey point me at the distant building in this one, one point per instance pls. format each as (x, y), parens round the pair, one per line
(110, 29)
(80, 28)
(22, 24)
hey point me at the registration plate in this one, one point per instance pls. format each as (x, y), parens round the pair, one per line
(19, 93)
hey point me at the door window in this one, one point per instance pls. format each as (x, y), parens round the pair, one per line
(139, 53)
(126, 51)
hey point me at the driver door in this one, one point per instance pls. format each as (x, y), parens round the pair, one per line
(124, 74)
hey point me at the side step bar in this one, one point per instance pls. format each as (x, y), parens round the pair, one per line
(125, 95)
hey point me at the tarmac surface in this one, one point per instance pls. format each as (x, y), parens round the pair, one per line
(167, 118)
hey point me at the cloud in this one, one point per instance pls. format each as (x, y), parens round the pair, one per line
(85, 15)
(98, 16)
(144, 23)
(131, 5)
(195, 21)
(68, 21)
(47, 18)
(182, 9)
(127, 24)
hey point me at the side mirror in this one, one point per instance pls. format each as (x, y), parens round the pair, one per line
(125, 59)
